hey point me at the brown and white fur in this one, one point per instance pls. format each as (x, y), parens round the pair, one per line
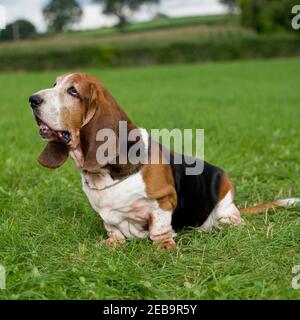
(133, 200)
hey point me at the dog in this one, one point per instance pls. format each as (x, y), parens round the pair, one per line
(144, 200)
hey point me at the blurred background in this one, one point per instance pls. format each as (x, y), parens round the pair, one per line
(63, 34)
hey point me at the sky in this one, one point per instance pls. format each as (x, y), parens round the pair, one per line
(92, 17)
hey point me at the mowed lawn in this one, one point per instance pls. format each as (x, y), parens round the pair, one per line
(51, 240)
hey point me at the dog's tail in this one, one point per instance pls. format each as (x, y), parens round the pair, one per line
(270, 205)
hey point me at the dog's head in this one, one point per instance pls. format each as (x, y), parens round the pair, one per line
(62, 110)
(69, 115)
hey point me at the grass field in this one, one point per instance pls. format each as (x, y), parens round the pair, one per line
(52, 241)
(155, 24)
(145, 33)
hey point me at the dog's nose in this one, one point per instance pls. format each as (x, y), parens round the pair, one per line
(35, 101)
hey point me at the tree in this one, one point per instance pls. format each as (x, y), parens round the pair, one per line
(61, 15)
(267, 15)
(231, 4)
(18, 30)
(122, 8)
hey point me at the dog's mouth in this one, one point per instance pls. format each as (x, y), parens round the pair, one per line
(49, 134)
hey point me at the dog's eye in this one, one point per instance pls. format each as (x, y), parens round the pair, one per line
(73, 92)
(54, 85)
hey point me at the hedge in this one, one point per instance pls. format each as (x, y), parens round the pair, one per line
(93, 56)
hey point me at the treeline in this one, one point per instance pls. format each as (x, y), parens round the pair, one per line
(61, 16)
(270, 35)
(267, 16)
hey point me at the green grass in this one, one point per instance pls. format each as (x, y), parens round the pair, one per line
(52, 241)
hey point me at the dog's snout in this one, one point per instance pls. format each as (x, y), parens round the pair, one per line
(35, 100)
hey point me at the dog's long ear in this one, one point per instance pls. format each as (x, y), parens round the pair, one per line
(107, 116)
(91, 100)
(104, 118)
(54, 155)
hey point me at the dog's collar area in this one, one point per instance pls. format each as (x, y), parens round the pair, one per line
(92, 172)
(86, 183)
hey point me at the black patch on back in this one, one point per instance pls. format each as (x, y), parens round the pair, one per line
(197, 195)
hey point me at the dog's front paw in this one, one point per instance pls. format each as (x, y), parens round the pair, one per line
(166, 244)
(113, 242)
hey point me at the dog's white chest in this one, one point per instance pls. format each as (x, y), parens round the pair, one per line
(122, 204)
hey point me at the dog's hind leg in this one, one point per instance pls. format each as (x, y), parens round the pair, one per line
(227, 212)
(224, 212)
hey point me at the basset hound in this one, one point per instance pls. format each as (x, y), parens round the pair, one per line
(145, 200)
